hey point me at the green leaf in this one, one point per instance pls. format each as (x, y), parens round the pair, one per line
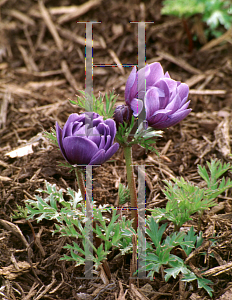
(191, 237)
(203, 283)
(155, 232)
(182, 8)
(104, 105)
(177, 267)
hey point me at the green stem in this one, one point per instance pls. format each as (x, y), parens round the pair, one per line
(131, 184)
(81, 184)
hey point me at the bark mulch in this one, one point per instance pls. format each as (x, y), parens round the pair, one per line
(42, 65)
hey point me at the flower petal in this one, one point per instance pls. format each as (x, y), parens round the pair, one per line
(130, 82)
(103, 129)
(183, 90)
(173, 119)
(68, 126)
(152, 103)
(59, 139)
(156, 72)
(98, 158)
(108, 142)
(79, 150)
(111, 151)
(174, 105)
(112, 126)
(158, 116)
(136, 106)
(142, 84)
(102, 142)
(167, 75)
(165, 95)
(94, 135)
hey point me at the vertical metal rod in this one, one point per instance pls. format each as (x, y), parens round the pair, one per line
(88, 225)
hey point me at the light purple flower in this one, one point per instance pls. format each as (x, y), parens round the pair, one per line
(164, 98)
(87, 139)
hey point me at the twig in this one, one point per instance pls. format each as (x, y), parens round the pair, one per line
(48, 287)
(50, 25)
(179, 62)
(207, 92)
(68, 75)
(79, 11)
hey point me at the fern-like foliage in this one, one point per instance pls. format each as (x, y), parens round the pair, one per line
(104, 105)
(186, 199)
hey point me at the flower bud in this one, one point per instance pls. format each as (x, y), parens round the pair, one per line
(122, 113)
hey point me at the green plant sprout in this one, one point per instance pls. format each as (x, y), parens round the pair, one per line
(214, 12)
(69, 217)
(158, 254)
(186, 199)
(104, 105)
(146, 138)
(123, 194)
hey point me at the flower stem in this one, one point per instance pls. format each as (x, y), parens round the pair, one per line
(80, 181)
(131, 184)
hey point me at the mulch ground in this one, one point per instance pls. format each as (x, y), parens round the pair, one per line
(42, 65)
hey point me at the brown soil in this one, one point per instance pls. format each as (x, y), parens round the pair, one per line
(39, 72)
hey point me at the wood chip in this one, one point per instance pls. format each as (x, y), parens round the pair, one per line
(217, 41)
(12, 273)
(3, 109)
(218, 270)
(79, 11)
(117, 61)
(136, 293)
(14, 89)
(21, 17)
(121, 295)
(39, 74)
(195, 79)
(15, 230)
(5, 178)
(179, 62)
(4, 66)
(50, 25)
(68, 75)
(44, 84)
(207, 92)
(226, 296)
(2, 2)
(73, 37)
(28, 60)
(222, 136)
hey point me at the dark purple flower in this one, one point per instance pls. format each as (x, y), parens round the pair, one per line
(87, 139)
(122, 113)
(164, 98)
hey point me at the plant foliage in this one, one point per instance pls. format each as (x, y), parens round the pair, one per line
(104, 105)
(186, 199)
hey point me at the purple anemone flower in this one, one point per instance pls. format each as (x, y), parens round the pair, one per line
(87, 139)
(164, 98)
(122, 113)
